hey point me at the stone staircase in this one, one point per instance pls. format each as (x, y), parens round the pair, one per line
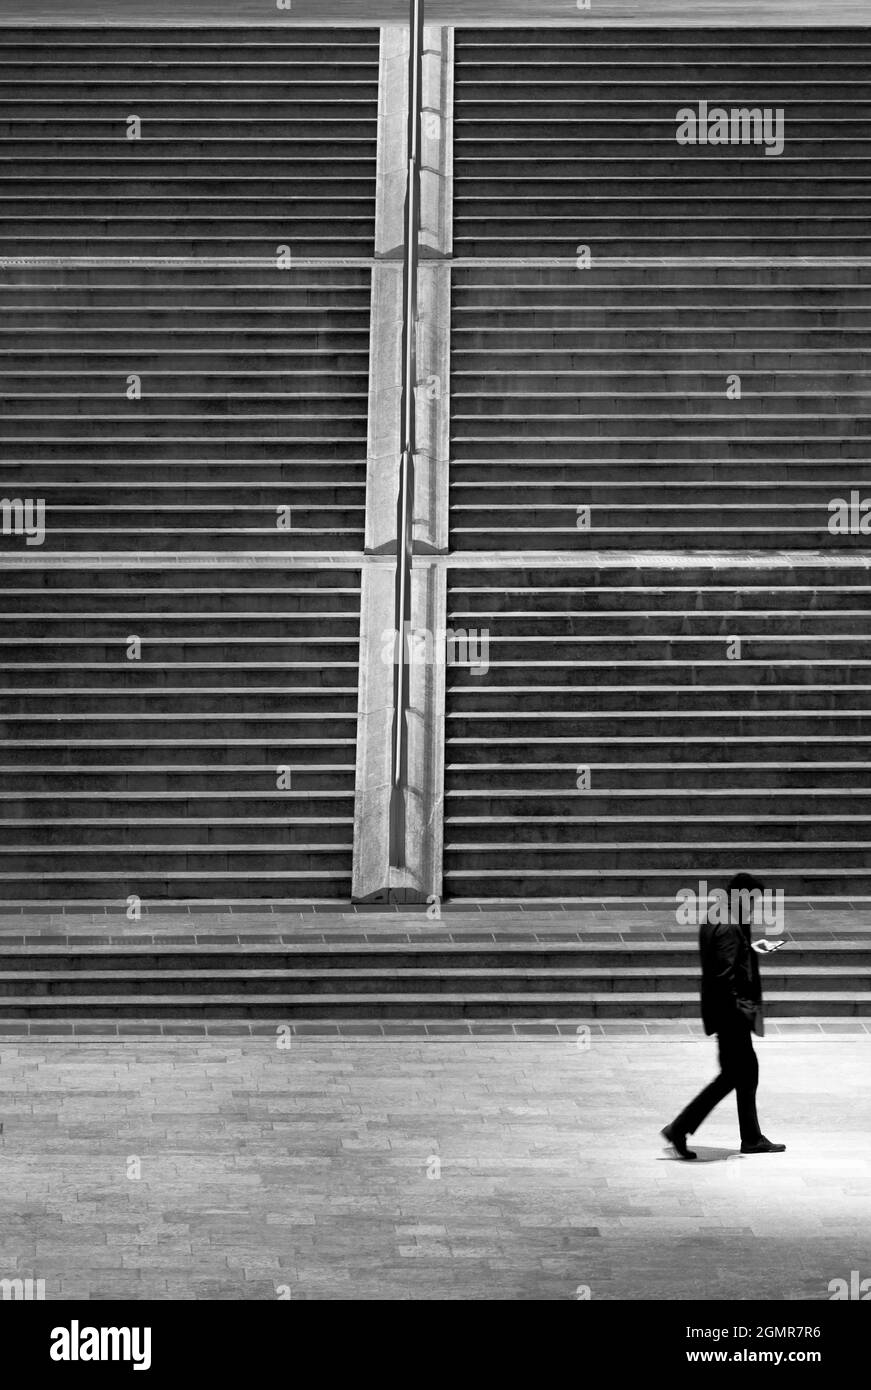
(658, 463)
(614, 748)
(249, 140)
(192, 413)
(566, 137)
(195, 419)
(211, 405)
(600, 398)
(160, 777)
(250, 429)
(424, 985)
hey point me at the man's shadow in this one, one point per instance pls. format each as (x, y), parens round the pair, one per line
(703, 1155)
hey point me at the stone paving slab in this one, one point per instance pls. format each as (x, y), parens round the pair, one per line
(415, 1169)
(613, 13)
(503, 922)
(169, 1029)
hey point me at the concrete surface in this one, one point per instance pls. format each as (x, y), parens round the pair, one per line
(412, 1169)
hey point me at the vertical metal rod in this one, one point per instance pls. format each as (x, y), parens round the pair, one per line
(405, 504)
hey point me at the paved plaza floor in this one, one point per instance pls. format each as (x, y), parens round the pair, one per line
(564, 13)
(509, 1168)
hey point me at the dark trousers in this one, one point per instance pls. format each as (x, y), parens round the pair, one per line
(739, 1072)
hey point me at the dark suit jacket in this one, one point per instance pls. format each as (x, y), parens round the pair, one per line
(731, 986)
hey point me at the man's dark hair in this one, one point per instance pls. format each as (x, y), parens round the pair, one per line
(740, 884)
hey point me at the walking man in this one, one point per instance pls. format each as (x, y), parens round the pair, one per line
(731, 1008)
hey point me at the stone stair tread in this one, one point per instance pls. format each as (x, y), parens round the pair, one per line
(685, 819)
(391, 972)
(305, 946)
(216, 875)
(322, 1000)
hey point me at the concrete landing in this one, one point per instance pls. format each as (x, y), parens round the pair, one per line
(563, 13)
(246, 923)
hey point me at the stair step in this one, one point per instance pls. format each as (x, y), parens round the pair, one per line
(837, 1004)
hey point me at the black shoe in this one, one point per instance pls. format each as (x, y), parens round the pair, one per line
(677, 1140)
(763, 1146)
